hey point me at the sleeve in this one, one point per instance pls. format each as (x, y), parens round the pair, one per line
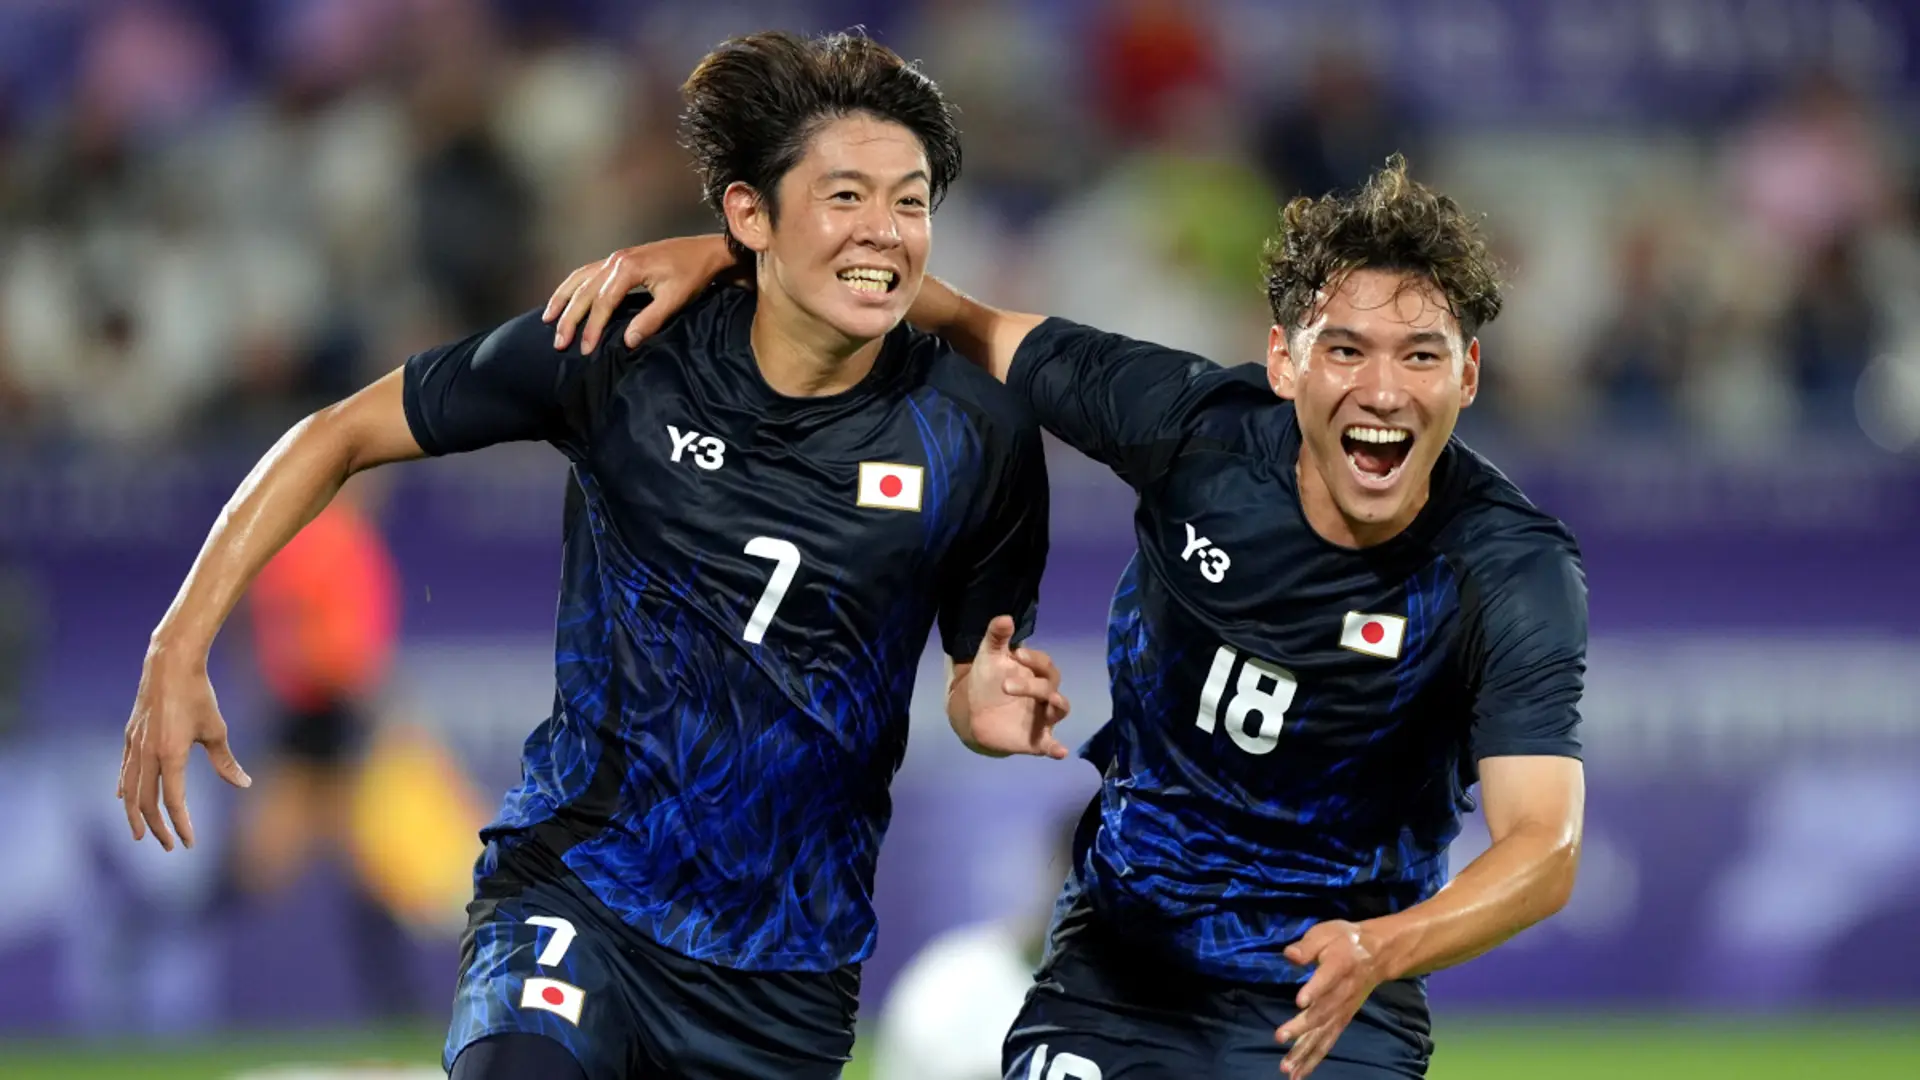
(1122, 402)
(1530, 656)
(508, 384)
(1003, 556)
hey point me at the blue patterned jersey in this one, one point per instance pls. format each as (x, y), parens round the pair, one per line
(749, 583)
(1295, 724)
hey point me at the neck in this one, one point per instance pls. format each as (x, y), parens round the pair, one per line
(799, 356)
(1325, 517)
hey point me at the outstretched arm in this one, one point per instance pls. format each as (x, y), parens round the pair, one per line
(675, 271)
(296, 479)
(983, 334)
(498, 386)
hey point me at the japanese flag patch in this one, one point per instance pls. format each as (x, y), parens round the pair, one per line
(1375, 635)
(888, 486)
(554, 996)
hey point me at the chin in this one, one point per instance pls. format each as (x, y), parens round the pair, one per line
(865, 323)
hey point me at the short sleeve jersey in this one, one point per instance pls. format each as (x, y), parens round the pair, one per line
(749, 582)
(1295, 724)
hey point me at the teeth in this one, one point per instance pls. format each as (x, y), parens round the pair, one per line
(1375, 435)
(866, 279)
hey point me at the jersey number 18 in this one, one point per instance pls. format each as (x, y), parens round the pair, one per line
(1259, 704)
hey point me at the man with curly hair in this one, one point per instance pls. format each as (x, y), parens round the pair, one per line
(1339, 620)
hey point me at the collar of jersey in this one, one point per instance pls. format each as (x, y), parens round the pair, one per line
(740, 347)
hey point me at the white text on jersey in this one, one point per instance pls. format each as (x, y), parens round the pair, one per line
(708, 452)
(1213, 561)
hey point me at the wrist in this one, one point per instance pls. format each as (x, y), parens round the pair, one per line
(1389, 940)
(172, 651)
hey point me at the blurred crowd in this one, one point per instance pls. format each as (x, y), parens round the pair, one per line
(217, 214)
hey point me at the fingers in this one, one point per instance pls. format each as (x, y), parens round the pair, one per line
(130, 791)
(126, 755)
(579, 301)
(149, 798)
(618, 280)
(563, 294)
(1038, 662)
(224, 763)
(1043, 691)
(999, 634)
(173, 789)
(648, 322)
(1309, 1051)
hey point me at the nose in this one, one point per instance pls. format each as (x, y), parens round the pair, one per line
(877, 227)
(1381, 387)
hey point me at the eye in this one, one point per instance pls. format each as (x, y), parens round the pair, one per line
(1426, 358)
(914, 201)
(845, 196)
(1343, 352)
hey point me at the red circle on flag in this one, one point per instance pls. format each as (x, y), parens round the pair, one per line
(553, 995)
(890, 486)
(1372, 633)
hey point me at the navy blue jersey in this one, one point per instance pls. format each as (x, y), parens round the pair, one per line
(1295, 724)
(749, 583)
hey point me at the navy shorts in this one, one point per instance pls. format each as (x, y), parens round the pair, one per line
(1101, 1009)
(543, 955)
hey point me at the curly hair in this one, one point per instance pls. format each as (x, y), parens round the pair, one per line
(754, 102)
(1392, 222)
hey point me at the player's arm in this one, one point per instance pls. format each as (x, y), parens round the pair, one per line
(1118, 400)
(1526, 628)
(1534, 808)
(1003, 696)
(462, 396)
(1529, 629)
(674, 271)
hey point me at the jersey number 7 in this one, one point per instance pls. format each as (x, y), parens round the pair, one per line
(1264, 692)
(786, 560)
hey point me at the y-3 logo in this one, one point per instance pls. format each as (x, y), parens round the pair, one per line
(1213, 561)
(708, 452)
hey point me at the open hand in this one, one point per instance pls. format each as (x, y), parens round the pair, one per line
(1344, 973)
(1013, 696)
(173, 710)
(672, 271)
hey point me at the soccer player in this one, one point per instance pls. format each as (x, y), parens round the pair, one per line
(777, 498)
(1339, 618)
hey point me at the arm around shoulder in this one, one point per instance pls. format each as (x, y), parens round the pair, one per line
(985, 335)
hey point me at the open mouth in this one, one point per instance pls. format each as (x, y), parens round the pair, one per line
(873, 282)
(1376, 454)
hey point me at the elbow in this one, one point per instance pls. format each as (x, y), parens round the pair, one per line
(1561, 868)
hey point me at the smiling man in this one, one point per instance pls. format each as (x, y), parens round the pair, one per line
(1339, 619)
(775, 501)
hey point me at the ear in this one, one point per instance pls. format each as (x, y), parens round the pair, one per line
(747, 217)
(1281, 373)
(1470, 374)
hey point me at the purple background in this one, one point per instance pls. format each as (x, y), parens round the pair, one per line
(1754, 748)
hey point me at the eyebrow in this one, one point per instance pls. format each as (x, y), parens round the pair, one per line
(859, 177)
(1420, 337)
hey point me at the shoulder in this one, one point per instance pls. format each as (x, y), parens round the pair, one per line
(1499, 540)
(1238, 404)
(699, 328)
(996, 410)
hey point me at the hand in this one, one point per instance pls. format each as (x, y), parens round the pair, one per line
(1344, 973)
(1013, 696)
(173, 710)
(673, 271)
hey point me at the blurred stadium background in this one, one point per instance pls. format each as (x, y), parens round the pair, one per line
(217, 214)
